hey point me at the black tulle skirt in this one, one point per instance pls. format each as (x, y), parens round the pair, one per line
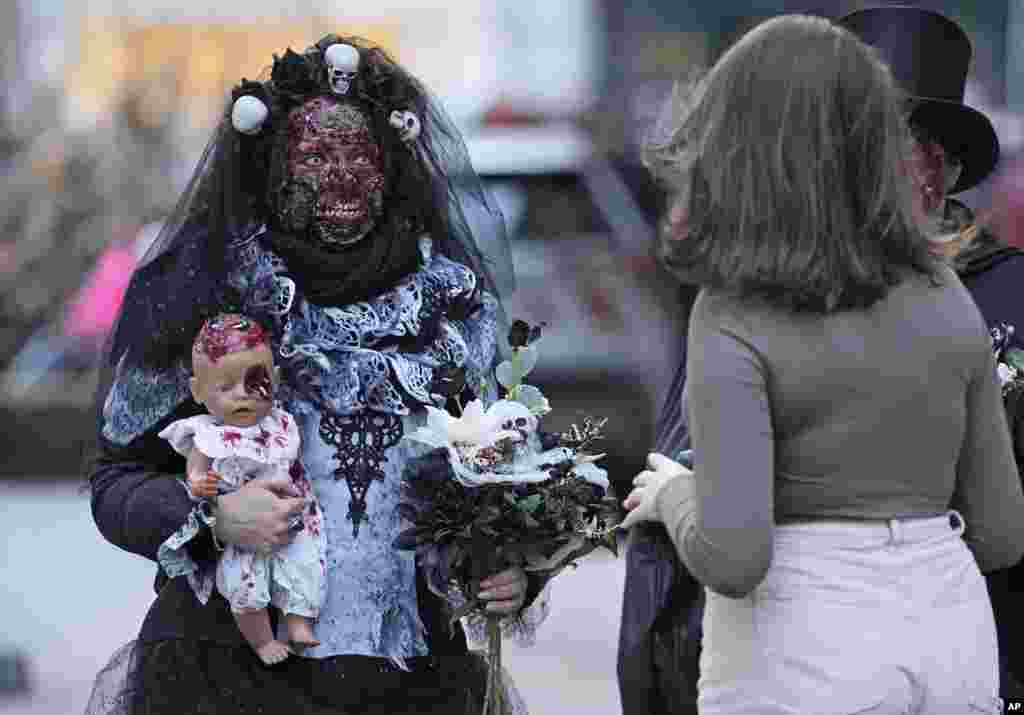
(180, 677)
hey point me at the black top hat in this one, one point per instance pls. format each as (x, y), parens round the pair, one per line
(929, 55)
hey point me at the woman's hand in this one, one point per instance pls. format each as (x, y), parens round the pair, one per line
(641, 502)
(504, 592)
(257, 516)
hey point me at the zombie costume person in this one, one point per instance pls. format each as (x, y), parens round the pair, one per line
(242, 437)
(335, 204)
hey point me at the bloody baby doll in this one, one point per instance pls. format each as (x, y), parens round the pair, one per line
(242, 437)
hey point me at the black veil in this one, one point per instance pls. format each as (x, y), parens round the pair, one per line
(434, 190)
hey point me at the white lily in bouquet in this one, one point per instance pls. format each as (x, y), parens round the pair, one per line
(499, 445)
(495, 491)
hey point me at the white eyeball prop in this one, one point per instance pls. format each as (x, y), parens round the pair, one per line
(407, 124)
(248, 114)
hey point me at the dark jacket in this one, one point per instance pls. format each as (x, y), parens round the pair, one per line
(994, 274)
(659, 633)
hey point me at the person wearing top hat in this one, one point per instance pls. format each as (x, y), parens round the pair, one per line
(956, 148)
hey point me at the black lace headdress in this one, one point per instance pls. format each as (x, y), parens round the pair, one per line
(433, 190)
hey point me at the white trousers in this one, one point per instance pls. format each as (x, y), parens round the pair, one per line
(878, 617)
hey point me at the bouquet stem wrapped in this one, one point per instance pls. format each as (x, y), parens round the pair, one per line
(492, 699)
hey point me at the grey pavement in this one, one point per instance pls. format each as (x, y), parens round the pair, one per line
(68, 599)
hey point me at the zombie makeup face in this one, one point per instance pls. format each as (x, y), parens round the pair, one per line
(234, 374)
(934, 172)
(335, 173)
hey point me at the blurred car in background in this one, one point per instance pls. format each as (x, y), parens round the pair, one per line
(582, 247)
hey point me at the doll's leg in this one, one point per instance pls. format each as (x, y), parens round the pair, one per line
(300, 631)
(297, 587)
(243, 579)
(255, 628)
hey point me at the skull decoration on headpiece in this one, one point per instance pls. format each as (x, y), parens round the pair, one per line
(342, 67)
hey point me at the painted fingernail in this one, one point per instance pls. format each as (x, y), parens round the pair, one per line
(486, 594)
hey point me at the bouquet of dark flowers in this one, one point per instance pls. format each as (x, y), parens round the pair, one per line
(1009, 359)
(1010, 366)
(495, 492)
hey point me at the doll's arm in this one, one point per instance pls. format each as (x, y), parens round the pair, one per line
(138, 501)
(202, 480)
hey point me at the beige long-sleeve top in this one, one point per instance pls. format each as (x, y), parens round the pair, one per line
(894, 411)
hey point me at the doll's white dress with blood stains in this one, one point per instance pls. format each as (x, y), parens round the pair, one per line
(290, 578)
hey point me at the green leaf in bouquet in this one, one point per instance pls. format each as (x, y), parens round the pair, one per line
(533, 399)
(525, 359)
(511, 372)
(1015, 358)
(507, 375)
(529, 504)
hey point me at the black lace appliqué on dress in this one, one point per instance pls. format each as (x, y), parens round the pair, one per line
(360, 440)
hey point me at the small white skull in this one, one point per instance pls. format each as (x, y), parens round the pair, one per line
(342, 66)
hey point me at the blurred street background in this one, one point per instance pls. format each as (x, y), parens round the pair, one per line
(104, 108)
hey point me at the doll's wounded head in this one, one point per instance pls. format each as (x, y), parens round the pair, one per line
(233, 373)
